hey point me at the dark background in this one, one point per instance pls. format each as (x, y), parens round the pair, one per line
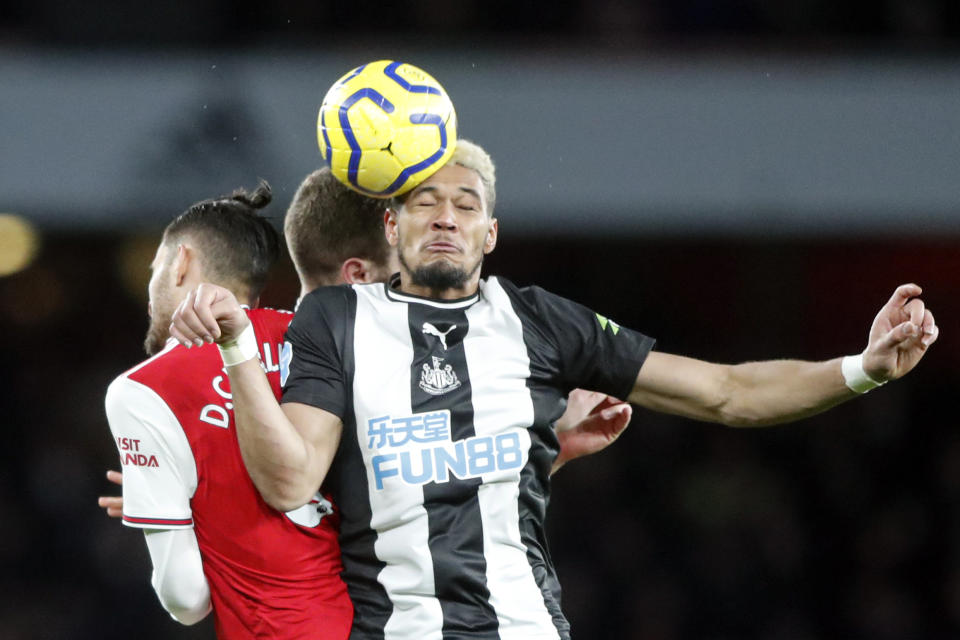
(841, 526)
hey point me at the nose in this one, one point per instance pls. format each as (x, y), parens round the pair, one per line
(445, 219)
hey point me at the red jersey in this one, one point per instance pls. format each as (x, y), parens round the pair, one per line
(271, 575)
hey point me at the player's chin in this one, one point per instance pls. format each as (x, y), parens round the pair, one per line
(440, 275)
(442, 261)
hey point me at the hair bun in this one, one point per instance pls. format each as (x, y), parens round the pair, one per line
(260, 197)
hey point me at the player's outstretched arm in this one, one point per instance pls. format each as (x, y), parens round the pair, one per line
(591, 423)
(287, 451)
(771, 392)
(113, 505)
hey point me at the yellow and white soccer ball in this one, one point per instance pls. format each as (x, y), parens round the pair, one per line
(385, 127)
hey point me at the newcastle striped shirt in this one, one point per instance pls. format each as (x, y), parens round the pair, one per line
(442, 475)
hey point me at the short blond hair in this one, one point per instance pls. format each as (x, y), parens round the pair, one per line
(472, 156)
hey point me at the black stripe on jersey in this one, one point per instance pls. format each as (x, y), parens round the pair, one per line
(535, 476)
(348, 481)
(453, 507)
(534, 498)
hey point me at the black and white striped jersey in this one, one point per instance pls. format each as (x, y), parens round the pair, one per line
(442, 475)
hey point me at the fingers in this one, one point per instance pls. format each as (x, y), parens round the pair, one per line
(903, 293)
(919, 323)
(899, 334)
(582, 404)
(604, 403)
(619, 418)
(191, 324)
(203, 306)
(184, 325)
(585, 400)
(194, 322)
(930, 330)
(914, 310)
(620, 412)
(112, 504)
(898, 337)
(610, 422)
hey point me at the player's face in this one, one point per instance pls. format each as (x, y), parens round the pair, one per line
(442, 232)
(162, 300)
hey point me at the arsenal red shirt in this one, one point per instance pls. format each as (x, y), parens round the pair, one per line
(271, 575)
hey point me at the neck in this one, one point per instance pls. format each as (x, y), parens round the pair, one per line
(243, 296)
(448, 293)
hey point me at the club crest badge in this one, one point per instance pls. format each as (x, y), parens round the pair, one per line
(438, 380)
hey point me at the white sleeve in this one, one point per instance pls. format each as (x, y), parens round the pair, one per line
(159, 472)
(178, 574)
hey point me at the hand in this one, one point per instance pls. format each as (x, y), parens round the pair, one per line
(900, 335)
(113, 505)
(209, 314)
(591, 423)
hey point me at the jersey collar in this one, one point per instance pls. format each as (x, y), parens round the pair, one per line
(393, 293)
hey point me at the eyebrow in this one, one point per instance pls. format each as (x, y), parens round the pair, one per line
(473, 192)
(433, 189)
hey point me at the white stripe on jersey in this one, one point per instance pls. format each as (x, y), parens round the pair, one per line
(382, 340)
(499, 368)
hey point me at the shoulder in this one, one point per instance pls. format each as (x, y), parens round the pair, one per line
(155, 369)
(325, 306)
(531, 298)
(154, 361)
(148, 379)
(175, 366)
(327, 298)
(169, 387)
(131, 404)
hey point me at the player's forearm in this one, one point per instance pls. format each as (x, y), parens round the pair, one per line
(749, 394)
(778, 391)
(276, 456)
(178, 577)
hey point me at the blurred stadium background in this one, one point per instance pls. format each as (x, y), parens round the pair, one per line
(741, 179)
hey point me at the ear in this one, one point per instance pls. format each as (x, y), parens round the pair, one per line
(182, 263)
(390, 226)
(356, 271)
(490, 243)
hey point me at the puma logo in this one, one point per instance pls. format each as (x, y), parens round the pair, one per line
(431, 330)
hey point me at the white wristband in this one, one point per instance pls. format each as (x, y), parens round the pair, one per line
(241, 348)
(854, 375)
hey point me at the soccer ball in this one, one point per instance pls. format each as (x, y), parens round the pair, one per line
(385, 127)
